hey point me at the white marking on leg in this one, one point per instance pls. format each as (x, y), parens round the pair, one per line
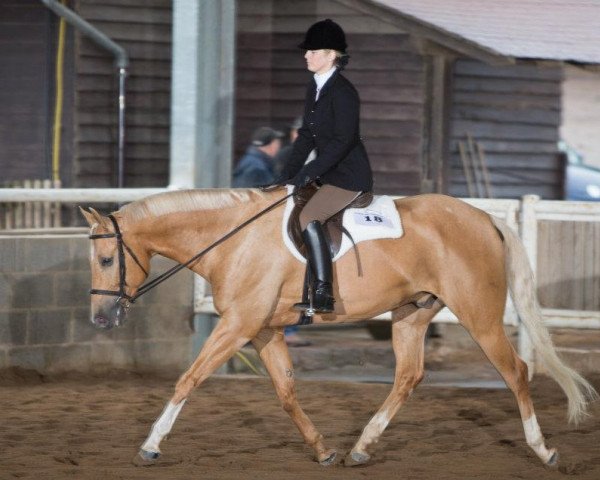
(535, 439)
(162, 426)
(372, 432)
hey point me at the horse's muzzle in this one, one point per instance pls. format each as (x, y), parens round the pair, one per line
(115, 317)
(102, 322)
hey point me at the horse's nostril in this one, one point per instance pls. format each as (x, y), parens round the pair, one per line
(100, 321)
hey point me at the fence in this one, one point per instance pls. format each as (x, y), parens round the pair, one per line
(45, 305)
(40, 214)
(545, 226)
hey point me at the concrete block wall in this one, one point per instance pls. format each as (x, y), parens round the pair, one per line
(45, 312)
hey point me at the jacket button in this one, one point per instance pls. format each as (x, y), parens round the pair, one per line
(314, 134)
(312, 111)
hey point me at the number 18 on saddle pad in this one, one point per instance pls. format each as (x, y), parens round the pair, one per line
(377, 221)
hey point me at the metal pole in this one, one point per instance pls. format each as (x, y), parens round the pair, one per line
(121, 142)
(121, 62)
(202, 93)
(121, 57)
(203, 79)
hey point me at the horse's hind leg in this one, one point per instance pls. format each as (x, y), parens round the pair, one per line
(408, 338)
(226, 339)
(486, 328)
(273, 351)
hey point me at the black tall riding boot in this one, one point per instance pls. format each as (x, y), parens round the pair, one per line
(319, 258)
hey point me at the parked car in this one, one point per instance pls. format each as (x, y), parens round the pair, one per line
(582, 182)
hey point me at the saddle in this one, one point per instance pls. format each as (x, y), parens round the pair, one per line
(334, 229)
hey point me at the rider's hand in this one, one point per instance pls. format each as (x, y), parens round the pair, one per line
(300, 181)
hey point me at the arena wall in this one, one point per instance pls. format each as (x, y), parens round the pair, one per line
(45, 312)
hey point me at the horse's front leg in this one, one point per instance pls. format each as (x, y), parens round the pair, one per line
(226, 339)
(273, 351)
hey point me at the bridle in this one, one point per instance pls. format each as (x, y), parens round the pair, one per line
(126, 300)
(121, 247)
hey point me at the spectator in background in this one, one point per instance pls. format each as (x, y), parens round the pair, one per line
(257, 166)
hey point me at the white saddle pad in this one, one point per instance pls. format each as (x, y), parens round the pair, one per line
(378, 220)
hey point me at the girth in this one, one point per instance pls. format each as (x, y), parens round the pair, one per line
(334, 229)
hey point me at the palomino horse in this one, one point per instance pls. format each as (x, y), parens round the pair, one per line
(461, 255)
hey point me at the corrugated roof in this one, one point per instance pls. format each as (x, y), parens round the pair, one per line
(566, 30)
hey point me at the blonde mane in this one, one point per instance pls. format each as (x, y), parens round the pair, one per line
(186, 201)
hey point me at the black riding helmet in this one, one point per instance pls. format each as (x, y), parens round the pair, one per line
(325, 34)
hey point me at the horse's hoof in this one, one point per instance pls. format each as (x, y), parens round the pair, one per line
(145, 458)
(327, 458)
(553, 461)
(356, 458)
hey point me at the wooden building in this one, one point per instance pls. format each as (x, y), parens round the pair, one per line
(429, 73)
(143, 29)
(28, 51)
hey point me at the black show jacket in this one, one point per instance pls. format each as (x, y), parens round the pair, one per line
(331, 125)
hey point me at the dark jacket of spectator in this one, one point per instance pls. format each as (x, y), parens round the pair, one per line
(254, 169)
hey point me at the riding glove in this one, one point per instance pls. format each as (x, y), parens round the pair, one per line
(301, 180)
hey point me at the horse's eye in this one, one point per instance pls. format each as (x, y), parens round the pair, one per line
(106, 261)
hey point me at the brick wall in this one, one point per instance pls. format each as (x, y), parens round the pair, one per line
(44, 312)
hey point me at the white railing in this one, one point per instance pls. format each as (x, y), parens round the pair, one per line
(76, 195)
(523, 215)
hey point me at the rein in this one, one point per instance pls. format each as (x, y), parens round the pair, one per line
(121, 247)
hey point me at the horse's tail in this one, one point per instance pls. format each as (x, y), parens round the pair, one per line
(522, 288)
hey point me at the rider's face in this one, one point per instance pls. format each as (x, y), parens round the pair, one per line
(319, 61)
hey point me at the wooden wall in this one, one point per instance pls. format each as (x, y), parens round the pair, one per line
(568, 273)
(143, 28)
(515, 113)
(388, 73)
(28, 37)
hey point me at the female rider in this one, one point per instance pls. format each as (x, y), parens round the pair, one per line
(341, 168)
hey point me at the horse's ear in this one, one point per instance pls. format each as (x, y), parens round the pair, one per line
(99, 218)
(88, 216)
(92, 217)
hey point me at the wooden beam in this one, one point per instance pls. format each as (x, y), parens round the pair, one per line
(544, 63)
(436, 124)
(418, 28)
(427, 47)
(588, 67)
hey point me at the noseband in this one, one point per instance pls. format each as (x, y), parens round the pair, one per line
(121, 247)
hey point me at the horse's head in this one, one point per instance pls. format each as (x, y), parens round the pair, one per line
(119, 266)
